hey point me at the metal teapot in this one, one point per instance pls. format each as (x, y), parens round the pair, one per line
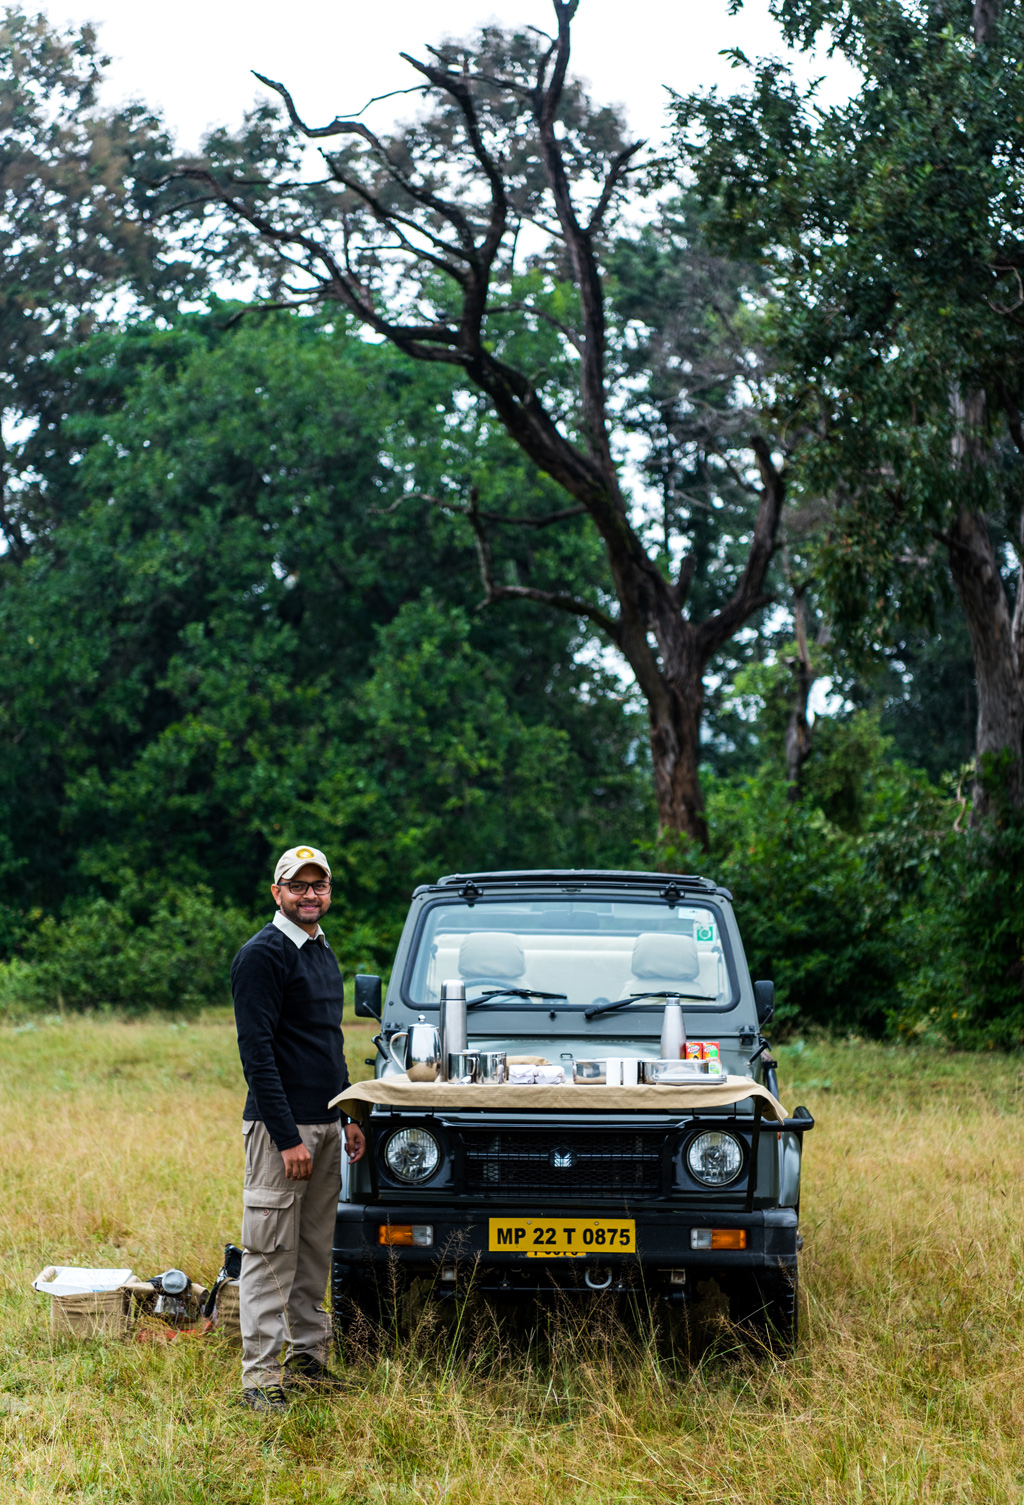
(422, 1051)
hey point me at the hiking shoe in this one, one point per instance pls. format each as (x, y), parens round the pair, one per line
(303, 1369)
(272, 1398)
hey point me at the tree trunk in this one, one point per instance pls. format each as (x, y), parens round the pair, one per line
(674, 719)
(984, 15)
(972, 560)
(798, 731)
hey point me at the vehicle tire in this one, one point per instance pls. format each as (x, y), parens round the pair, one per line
(767, 1312)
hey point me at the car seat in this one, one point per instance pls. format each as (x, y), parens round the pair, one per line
(490, 958)
(662, 964)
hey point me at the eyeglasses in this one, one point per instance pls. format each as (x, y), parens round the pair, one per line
(298, 890)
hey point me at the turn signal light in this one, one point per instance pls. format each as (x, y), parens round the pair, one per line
(718, 1238)
(418, 1235)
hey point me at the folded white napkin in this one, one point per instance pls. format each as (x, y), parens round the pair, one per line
(72, 1280)
(523, 1076)
(550, 1076)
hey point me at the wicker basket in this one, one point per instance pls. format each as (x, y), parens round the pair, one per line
(226, 1314)
(86, 1314)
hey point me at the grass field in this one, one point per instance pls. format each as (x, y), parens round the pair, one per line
(120, 1144)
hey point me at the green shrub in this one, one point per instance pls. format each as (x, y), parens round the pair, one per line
(99, 953)
(965, 942)
(174, 954)
(824, 886)
(19, 991)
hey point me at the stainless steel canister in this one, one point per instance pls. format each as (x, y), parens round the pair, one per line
(492, 1067)
(673, 1030)
(452, 1022)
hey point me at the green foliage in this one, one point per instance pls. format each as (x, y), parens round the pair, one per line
(965, 944)
(173, 953)
(237, 641)
(689, 336)
(890, 228)
(447, 765)
(926, 695)
(75, 238)
(824, 886)
(866, 901)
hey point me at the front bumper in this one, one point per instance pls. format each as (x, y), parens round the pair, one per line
(459, 1258)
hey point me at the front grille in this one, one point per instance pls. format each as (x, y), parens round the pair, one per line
(528, 1162)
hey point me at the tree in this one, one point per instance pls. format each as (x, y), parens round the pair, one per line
(893, 228)
(456, 240)
(232, 640)
(75, 230)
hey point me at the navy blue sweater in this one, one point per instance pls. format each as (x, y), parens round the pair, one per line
(288, 1002)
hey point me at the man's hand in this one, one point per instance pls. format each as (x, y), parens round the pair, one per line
(298, 1163)
(355, 1144)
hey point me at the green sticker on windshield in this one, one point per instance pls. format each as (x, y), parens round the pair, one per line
(704, 932)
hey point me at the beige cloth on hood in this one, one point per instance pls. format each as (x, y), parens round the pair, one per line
(398, 1092)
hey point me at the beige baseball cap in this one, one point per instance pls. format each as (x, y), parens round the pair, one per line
(289, 862)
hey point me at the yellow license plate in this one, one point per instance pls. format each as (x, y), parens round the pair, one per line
(544, 1238)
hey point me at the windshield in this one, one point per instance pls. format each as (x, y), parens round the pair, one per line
(591, 950)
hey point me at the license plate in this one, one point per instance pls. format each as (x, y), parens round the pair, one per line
(544, 1238)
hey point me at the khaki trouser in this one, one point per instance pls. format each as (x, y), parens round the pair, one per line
(287, 1233)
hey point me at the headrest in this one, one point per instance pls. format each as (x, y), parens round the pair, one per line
(492, 956)
(669, 958)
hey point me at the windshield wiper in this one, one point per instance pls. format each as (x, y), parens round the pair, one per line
(621, 1003)
(493, 993)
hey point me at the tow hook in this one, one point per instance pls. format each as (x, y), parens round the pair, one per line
(598, 1285)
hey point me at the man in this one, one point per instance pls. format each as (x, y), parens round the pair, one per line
(288, 997)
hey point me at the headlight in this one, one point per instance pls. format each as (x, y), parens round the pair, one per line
(715, 1157)
(412, 1154)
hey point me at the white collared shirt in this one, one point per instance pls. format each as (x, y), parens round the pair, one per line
(295, 933)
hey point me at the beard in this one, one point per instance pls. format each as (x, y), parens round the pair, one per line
(305, 911)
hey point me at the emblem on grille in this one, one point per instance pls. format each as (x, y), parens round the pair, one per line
(563, 1159)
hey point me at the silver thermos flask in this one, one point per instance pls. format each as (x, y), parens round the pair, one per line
(673, 1030)
(453, 1022)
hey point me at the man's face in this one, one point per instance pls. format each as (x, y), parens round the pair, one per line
(303, 908)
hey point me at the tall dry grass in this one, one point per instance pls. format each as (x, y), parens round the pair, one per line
(120, 1144)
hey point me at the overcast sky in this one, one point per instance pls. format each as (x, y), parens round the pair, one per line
(192, 59)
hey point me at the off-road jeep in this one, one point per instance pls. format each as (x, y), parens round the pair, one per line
(520, 1204)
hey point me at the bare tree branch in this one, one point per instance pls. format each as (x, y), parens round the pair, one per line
(750, 595)
(612, 179)
(448, 505)
(558, 599)
(264, 308)
(538, 313)
(337, 127)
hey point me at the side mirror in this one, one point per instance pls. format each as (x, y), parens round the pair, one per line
(367, 996)
(764, 1001)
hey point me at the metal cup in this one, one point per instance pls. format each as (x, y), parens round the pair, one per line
(463, 1066)
(492, 1067)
